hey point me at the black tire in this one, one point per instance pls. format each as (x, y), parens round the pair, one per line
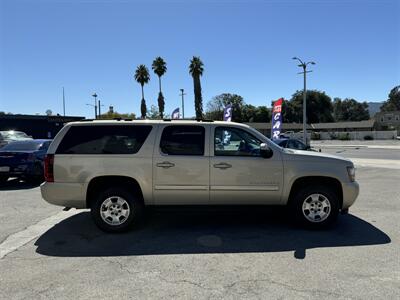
(329, 214)
(134, 204)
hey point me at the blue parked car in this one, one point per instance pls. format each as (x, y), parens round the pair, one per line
(23, 159)
(292, 144)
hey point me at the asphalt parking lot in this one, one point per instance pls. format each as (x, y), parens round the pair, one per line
(46, 253)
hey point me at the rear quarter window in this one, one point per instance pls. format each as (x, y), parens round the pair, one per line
(183, 140)
(104, 139)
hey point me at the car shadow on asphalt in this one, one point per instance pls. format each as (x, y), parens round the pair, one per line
(211, 231)
(15, 184)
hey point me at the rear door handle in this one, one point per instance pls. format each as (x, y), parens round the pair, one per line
(165, 165)
(222, 166)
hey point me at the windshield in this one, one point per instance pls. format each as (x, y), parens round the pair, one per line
(22, 146)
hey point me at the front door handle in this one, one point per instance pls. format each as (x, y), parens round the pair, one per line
(222, 166)
(165, 165)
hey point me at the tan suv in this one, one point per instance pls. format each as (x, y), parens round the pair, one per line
(116, 168)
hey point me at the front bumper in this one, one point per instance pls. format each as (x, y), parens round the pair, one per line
(350, 193)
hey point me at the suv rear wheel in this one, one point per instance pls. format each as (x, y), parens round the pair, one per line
(116, 210)
(315, 206)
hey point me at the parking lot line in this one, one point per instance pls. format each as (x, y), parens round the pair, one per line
(19, 239)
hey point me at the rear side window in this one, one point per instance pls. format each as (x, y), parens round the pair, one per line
(183, 140)
(103, 139)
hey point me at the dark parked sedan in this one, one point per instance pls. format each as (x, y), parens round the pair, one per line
(23, 159)
(11, 136)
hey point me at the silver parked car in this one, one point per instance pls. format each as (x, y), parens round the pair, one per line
(116, 168)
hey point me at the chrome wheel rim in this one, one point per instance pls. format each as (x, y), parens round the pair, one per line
(115, 210)
(316, 208)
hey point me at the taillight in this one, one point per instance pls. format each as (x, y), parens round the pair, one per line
(49, 168)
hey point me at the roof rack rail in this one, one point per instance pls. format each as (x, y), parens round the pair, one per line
(198, 120)
(122, 119)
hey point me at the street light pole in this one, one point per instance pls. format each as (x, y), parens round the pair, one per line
(183, 103)
(95, 105)
(305, 105)
(63, 102)
(304, 66)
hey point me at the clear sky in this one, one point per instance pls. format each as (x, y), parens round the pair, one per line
(246, 46)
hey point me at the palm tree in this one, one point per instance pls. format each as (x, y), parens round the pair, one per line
(142, 76)
(159, 67)
(196, 70)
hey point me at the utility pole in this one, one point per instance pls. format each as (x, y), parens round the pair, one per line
(63, 102)
(304, 66)
(95, 105)
(183, 103)
(100, 105)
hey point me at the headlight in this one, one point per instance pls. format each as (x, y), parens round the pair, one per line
(351, 171)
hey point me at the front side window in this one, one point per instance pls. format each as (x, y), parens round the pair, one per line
(230, 141)
(104, 139)
(183, 140)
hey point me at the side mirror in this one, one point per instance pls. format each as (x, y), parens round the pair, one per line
(265, 151)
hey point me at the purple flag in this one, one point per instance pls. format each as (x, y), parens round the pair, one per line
(228, 113)
(175, 114)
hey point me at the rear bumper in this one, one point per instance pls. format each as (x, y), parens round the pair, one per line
(64, 194)
(350, 194)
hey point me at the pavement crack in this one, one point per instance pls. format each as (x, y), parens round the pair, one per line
(285, 285)
(120, 265)
(185, 281)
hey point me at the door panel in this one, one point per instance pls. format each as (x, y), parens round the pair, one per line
(239, 179)
(181, 179)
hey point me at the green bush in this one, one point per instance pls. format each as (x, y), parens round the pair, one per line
(368, 137)
(344, 136)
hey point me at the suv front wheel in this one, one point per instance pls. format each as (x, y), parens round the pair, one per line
(315, 206)
(116, 210)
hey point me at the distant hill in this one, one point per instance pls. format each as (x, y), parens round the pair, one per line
(374, 107)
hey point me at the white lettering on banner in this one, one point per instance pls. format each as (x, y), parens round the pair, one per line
(277, 116)
(277, 125)
(276, 134)
(228, 114)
